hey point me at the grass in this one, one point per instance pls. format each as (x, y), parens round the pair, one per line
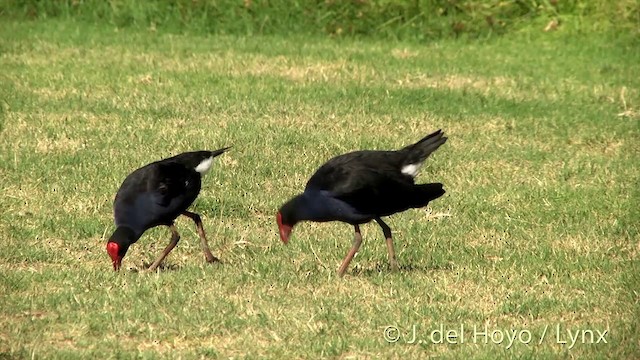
(418, 20)
(538, 230)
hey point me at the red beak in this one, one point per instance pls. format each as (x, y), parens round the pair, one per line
(285, 230)
(113, 249)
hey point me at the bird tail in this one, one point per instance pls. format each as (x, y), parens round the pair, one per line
(215, 153)
(425, 193)
(418, 152)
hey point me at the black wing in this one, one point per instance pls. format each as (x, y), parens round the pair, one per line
(155, 194)
(370, 181)
(174, 184)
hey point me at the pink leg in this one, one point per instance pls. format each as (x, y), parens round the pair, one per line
(386, 230)
(203, 238)
(354, 249)
(174, 241)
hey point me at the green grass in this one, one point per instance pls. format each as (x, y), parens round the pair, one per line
(539, 227)
(418, 20)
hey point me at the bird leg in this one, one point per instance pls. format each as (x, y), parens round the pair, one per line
(174, 241)
(386, 230)
(357, 240)
(203, 238)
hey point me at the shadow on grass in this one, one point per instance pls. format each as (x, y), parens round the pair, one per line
(384, 268)
(161, 268)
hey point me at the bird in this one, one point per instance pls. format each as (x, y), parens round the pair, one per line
(362, 186)
(156, 194)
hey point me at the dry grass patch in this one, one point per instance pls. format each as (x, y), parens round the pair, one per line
(499, 85)
(62, 144)
(472, 295)
(581, 245)
(404, 53)
(487, 237)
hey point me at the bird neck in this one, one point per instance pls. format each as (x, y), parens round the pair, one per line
(295, 210)
(124, 236)
(311, 206)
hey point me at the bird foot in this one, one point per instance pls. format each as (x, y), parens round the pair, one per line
(153, 268)
(394, 266)
(212, 259)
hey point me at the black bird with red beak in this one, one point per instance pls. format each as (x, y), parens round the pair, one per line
(156, 194)
(361, 186)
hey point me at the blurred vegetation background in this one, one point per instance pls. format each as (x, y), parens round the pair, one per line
(417, 20)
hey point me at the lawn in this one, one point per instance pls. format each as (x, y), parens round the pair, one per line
(532, 253)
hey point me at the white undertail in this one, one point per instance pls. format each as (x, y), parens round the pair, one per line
(204, 165)
(411, 169)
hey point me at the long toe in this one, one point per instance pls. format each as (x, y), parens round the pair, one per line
(394, 266)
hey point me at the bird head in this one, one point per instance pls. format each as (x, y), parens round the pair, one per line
(284, 227)
(118, 245)
(288, 216)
